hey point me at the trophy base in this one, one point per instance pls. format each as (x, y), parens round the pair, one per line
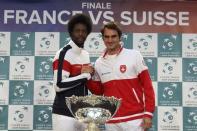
(92, 127)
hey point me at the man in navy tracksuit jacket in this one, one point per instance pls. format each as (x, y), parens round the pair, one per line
(71, 73)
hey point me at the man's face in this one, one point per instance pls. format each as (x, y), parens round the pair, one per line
(79, 34)
(111, 39)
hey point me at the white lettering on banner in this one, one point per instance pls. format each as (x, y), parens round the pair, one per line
(106, 15)
(8, 14)
(21, 16)
(158, 18)
(140, 18)
(60, 16)
(184, 16)
(34, 18)
(48, 16)
(93, 5)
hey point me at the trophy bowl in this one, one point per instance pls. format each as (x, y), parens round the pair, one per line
(93, 109)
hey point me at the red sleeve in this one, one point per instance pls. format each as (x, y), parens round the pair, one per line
(148, 93)
(66, 65)
(95, 87)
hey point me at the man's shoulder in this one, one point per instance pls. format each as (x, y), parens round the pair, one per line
(99, 59)
(65, 50)
(85, 52)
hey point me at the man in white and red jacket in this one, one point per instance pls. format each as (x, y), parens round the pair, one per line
(122, 73)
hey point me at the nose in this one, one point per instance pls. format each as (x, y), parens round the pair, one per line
(82, 33)
(109, 39)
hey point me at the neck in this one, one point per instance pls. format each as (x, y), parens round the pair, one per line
(114, 51)
(80, 45)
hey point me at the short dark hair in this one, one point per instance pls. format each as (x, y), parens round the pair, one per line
(80, 18)
(112, 25)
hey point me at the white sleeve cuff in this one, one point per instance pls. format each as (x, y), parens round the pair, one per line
(86, 75)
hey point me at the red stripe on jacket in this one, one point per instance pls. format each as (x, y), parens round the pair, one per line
(73, 69)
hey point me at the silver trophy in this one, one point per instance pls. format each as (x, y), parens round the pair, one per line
(93, 109)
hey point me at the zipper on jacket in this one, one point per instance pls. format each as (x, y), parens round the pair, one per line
(138, 100)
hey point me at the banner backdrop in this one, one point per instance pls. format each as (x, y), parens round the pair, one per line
(31, 31)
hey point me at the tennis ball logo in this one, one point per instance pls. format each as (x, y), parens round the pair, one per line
(46, 41)
(22, 40)
(144, 42)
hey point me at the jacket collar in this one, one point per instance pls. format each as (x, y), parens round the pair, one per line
(75, 48)
(105, 53)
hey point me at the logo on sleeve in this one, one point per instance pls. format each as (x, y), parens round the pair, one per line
(123, 68)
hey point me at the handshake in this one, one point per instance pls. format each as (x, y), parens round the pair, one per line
(87, 69)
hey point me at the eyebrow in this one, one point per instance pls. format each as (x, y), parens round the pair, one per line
(110, 36)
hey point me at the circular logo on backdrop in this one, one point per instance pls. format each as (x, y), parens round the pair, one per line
(169, 116)
(19, 114)
(168, 92)
(44, 115)
(46, 41)
(192, 93)
(192, 117)
(192, 44)
(21, 41)
(20, 65)
(169, 43)
(192, 68)
(20, 90)
(44, 91)
(168, 67)
(45, 66)
(144, 42)
(95, 42)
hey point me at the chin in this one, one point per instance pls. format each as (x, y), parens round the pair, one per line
(81, 45)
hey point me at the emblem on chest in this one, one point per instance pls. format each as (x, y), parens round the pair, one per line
(123, 68)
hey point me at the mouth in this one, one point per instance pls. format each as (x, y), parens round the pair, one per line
(109, 44)
(81, 39)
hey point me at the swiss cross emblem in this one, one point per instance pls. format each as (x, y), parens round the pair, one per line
(123, 68)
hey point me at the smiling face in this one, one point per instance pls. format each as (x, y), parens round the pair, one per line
(111, 40)
(79, 34)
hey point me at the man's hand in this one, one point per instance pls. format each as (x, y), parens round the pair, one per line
(87, 69)
(147, 123)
